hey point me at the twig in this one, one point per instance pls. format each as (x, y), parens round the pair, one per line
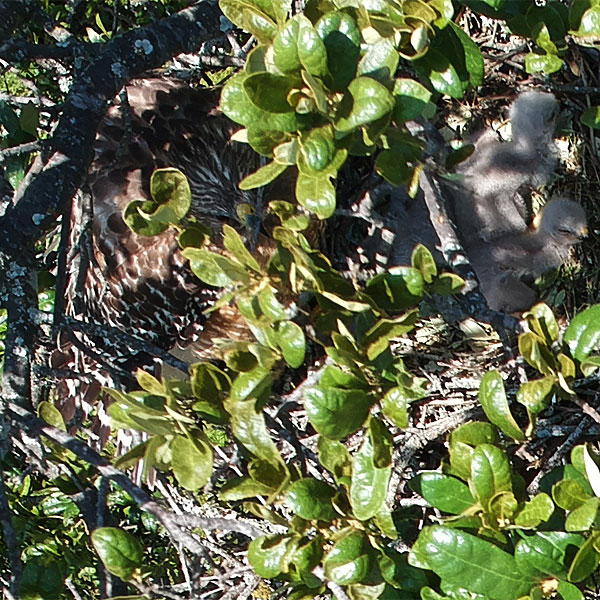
(20, 149)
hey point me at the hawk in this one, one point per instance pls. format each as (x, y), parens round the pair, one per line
(142, 285)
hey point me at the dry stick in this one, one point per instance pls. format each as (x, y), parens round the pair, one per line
(18, 150)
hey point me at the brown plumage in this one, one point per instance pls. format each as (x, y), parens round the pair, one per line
(142, 285)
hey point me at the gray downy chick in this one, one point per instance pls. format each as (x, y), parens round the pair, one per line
(489, 203)
(501, 264)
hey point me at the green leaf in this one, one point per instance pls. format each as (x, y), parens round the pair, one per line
(341, 37)
(120, 552)
(234, 243)
(539, 508)
(490, 473)
(335, 412)
(380, 61)
(369, 101)
(348, 561)
(311, 49)
(290, 339)
(368, 485)
(334, 456)
(316, 193)
(542, 63)
(536, 352)
(447, 284)
(444, 78)
(251, 17)
(586, 560)
(396, 290)
(588, 31)
(42, 580)
(241, 488)
(192, 461)
(136, 219)
(170, 191)
(495, 405)
(214, 269)
(583, 334)
(536, 395)
(569, 494)
(472, 563)
(411, 99)
(49, 413)
(584, 517)
(544, 554)
(311, 500)
(445, 493)
(423, 261)
(318, 148)
(541, 321)
(236, 104)
(475, 433)
(377, 339)
(269, 554)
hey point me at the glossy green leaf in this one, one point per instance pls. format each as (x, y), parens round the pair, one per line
(445, 493)
(368, 486)
(541, 321)
(475, 433)
(537, 510)
(120, 552)
(447, 284)
(423, 261)
(42, 580)
(536, 395)
(241, 488)
(396, 290)
(411, 99)
(236, 104)
(311, 500)
(473, 563)
(536, 352)
(335, 412)
(269, 554)
(490, 473)
(380, 61)
(192, 461)
(334, 456)
(583, 334)
(292, 343)
(341, 37)
(377, 339)
(495, 405)
(171, 194)
(234, 243)
(251, 17)
(569, 494)
(542, 63)
(318, 148)
(348, 561)
(584, 517)
(586, 560)
(444, 78)
(544, 554)
(311, 49)
(316, 193)
(212, 268)
(369, 101)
